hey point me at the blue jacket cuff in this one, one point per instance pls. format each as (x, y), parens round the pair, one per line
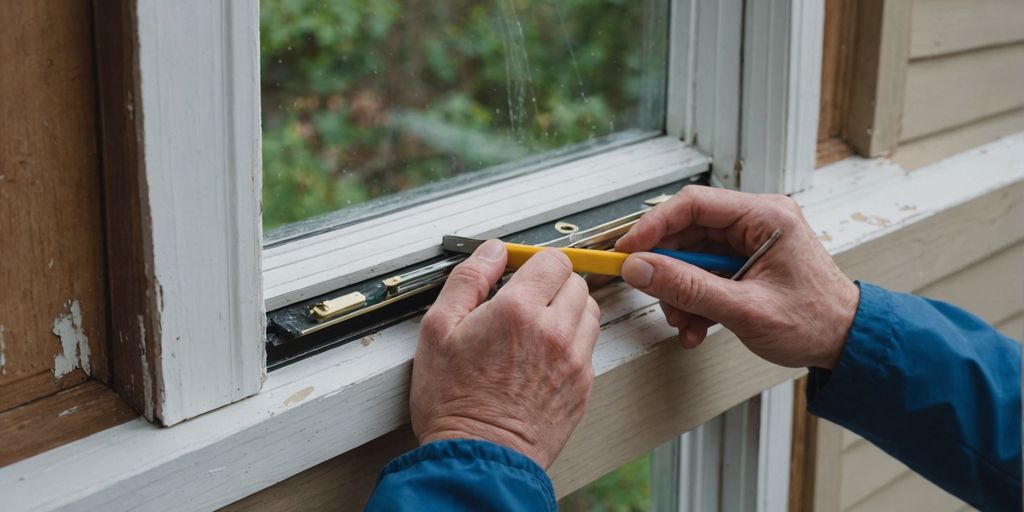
(463, 474)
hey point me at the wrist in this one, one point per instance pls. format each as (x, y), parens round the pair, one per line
(469, 428)
(846, 310)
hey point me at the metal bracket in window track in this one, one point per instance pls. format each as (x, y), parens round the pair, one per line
(294, 323)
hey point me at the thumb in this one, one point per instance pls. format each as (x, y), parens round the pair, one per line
(682, 285)
(467, 286)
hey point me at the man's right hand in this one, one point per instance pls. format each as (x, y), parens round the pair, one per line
(794, 307)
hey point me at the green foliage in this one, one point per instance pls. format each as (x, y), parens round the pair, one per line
(627, 489)
(363, 99)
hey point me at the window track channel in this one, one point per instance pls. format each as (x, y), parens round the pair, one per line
(351, 313)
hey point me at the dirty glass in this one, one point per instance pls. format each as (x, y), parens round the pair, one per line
(362, 100)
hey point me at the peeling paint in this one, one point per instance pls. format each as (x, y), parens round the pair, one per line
(873, 220)
(367, 340)
(68, 411)
(825, 237)
(147, 385)
(74, 345)
(3, 359)
(50, 264)
(298, 396)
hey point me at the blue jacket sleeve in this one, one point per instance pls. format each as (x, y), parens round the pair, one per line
(936, 388)
(462, 474)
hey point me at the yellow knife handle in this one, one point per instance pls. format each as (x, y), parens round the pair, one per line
(607, 263)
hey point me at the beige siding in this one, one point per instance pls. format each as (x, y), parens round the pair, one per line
(941, 27)
(964, 82)
(872, 480)
(954, 90)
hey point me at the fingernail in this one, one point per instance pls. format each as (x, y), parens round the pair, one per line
(637, 272)
(491, 250)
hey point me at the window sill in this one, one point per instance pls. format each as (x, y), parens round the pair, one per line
(880, 222)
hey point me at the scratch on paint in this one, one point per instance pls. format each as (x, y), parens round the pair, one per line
(908, 208)
(298, 396)
(3, 360)
(74, 345)
(66, 412)
(873, 220)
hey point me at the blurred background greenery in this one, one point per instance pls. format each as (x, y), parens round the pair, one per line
(627, 489)
(362, 99)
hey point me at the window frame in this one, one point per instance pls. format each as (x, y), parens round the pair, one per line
(327, 405)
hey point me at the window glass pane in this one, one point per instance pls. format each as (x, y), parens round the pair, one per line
(362, 100)
(627, 489)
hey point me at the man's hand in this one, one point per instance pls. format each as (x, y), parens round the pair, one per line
(794, 307)
(514, 370)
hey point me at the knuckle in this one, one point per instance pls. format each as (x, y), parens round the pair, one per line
(557, 259)
(432, 326)
(512, 307)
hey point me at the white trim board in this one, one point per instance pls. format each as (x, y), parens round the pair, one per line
(327, 405)
(321, 263)
(781, 89)
(201, 145)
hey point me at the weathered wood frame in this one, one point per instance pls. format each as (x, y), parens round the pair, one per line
(180, 125)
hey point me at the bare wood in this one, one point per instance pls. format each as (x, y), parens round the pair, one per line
(61, 418)
(133, 311)
(50, 220)
(942, 27)
(831, 150)
(951, 91)
(836, 64)
(879, 73)
(801, 467)
(932, 148)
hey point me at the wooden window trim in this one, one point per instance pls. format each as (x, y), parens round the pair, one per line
(864, 64)
(645, 393)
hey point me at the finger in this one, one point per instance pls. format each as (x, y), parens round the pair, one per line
(589, 327)
(468, 284)
(694, 205)
(684, 286)
(570, 301)
(695, 332)
(540, 278)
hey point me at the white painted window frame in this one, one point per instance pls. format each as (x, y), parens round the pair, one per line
(321, 407)
(199, 74)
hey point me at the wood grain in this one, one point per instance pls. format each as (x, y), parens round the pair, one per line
(134, 321)
(941, 27)
(951, 91)
(878, 73)
(50, 213)
(60, 418)
(836, 63)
